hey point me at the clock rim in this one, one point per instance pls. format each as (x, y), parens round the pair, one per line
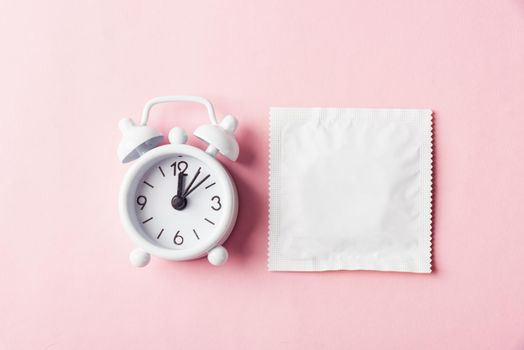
(128, 213)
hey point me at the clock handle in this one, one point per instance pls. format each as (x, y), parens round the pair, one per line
(165, 99)
(217, 256)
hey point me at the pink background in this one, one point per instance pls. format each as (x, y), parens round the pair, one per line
(70, 70)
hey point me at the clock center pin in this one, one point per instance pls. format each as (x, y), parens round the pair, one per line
(178, 203)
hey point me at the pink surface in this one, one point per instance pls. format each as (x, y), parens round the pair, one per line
(70, 70)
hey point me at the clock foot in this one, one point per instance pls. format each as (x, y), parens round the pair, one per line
(217, 256)
(139, 257)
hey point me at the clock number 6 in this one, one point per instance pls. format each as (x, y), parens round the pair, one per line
(178, 239)
(219, 205)
(141, 200)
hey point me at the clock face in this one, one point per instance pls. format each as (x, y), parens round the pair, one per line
(179, 203)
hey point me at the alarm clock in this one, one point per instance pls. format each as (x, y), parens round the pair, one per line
(178, 202)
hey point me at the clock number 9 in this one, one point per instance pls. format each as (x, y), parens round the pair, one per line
(141, 200)
(182, 167)
(218, 204)
(178, 239)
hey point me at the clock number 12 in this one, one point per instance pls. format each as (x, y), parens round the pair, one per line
(182, 167)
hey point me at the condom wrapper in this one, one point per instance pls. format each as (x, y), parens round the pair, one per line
(350, 189)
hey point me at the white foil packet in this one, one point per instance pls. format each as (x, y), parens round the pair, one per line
(350, 189)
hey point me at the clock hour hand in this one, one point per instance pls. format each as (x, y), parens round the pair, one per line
(180, 186)
(179, 202)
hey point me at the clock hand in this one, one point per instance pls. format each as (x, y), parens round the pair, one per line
(192, 181)
(196, 186)
(180, 186)
(179, 202)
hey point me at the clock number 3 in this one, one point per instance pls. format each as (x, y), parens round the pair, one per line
(217, 204)
(178, 239)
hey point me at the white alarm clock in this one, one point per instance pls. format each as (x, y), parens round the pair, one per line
(177, 202)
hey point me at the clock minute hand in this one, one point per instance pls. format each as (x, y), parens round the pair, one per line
(196, 186)
(192, 181)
